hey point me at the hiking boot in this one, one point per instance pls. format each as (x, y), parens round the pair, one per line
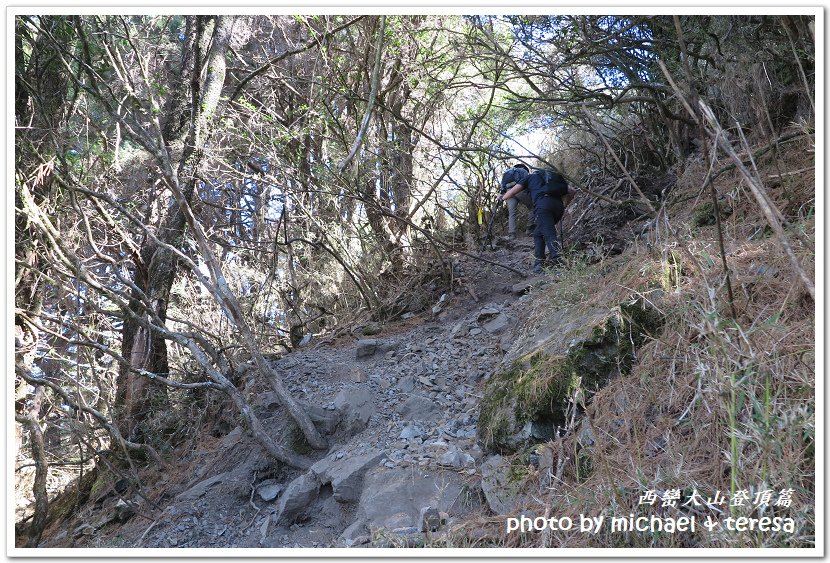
(537, 267)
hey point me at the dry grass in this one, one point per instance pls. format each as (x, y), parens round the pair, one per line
(714, 403)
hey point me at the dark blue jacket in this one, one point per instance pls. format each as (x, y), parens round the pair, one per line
(535, 184)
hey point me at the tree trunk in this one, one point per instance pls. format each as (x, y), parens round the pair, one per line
(30, 421)
(138, 397)
(40, 97)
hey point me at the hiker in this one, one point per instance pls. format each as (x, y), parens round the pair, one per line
(509, 179)
(547, 187)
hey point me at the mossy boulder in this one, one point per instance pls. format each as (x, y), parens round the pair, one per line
(571, 354)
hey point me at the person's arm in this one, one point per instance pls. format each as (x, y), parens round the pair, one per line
(512, 191)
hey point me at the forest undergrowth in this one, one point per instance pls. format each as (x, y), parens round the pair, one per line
(715, 402)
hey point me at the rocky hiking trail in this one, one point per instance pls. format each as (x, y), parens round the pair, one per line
(400, 410)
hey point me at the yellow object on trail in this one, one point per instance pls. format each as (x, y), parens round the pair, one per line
(480, 216)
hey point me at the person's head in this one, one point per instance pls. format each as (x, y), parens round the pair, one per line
(522, 165)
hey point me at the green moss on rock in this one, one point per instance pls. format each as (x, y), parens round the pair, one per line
(524, 403)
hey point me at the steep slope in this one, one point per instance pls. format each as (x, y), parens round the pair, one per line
(623, 376)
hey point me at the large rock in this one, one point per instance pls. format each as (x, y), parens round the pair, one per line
(570, 352)
(354, 404)
(354, 533)
(393, 498)
(418, 407)
(201, 488)
(124, 510)
(345, 474)
(498, 324)
(325, 421)
(501, 485)
(366, 348)
(298, 495)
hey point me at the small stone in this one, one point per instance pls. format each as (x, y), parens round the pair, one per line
(586, 437)
(440, 305)
(410, 432)
(451, 458)
(498, 324)
(125, 510)
(366, 348)
(429, 519)
(487, 313)
(545, 459)
(418, 407)
(407, 384)
(762, 270)
(475, 331)
(407, 316)
(269, 490)
(359, 376)
(522, 287)
(467, 433)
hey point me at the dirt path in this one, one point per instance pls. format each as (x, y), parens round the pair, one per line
(407, 400)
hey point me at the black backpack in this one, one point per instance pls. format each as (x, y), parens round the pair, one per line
(554, 183)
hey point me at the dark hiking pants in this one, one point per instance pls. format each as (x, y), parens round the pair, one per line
(549, 211)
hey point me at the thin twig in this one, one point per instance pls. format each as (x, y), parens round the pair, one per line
(624, 170)
(767, 207)
(141, 539)
(372, 95)
(793, 173)
(702, 132)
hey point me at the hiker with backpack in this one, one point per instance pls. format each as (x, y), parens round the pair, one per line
(509, 179)
(547, 187)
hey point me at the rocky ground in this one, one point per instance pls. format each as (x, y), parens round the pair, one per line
(400, 410)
